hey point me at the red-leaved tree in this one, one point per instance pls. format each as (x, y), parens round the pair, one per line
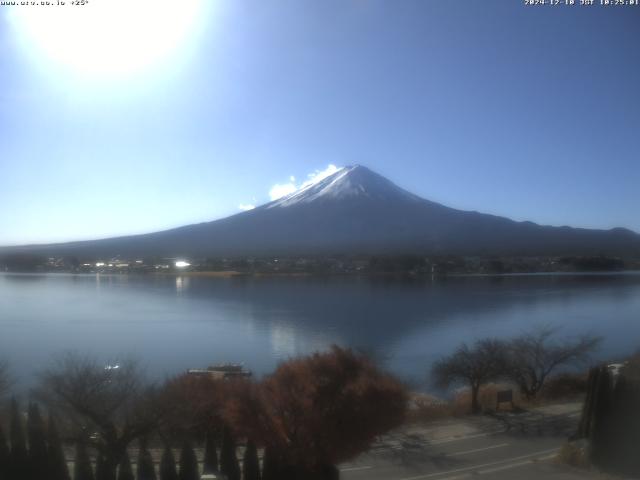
(317, 411)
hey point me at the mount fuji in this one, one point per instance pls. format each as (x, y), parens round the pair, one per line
(356, 211)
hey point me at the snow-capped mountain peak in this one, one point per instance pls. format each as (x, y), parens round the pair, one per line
(348, 182)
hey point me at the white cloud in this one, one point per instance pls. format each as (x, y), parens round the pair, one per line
(246, 206)
(280, 190)
(319, 175)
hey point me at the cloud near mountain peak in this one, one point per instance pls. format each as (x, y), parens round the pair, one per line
(280, 190)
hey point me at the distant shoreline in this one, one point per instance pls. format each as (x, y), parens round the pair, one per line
(388, 275)
(232, 274)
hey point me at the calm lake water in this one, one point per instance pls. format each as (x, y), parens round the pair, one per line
(175, 323)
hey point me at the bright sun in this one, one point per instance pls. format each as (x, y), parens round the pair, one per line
(109, 37)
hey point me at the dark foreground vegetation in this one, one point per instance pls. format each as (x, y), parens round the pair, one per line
(309, 415)
(106, 422)
(610, 422)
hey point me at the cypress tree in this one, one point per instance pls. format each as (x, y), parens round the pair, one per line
(618, 422)
(329, 472)
(270, 465)
(146, 470)
(633, 425)
(188, 463)
(624, 425)
(38, 459)
(18, 458)
(125, 472)
(106, 467)
(168, 465)
(228, 459)
(250, 462)
(4, 456)
(82, 468)
(600, 425)
(584, 426)
(210, 454)
(101, 467)
(58, 469)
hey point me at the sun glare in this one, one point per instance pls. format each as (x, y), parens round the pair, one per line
(108, 37)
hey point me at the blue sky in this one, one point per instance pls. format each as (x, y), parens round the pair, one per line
(528, 112)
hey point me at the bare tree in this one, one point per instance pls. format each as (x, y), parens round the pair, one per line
(107, 406)
(535, 355)
(483, 362)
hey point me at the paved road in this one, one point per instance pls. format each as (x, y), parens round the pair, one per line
(506, 446)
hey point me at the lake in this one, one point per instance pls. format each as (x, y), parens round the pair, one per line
(174, 323)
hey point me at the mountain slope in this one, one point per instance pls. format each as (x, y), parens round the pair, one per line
(357, 211)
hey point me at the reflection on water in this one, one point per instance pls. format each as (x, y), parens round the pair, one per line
(175, 323)
(182, 284)
(283, 339)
